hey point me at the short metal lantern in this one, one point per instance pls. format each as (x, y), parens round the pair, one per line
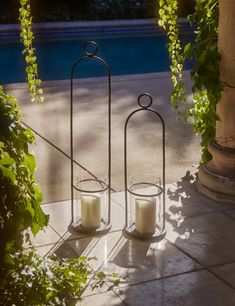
(91, 212)
(144, 193)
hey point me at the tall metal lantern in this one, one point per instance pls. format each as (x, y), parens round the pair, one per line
(144, 193)
(93, 209)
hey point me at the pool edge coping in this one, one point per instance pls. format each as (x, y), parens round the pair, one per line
(86, 24)
(96, 80)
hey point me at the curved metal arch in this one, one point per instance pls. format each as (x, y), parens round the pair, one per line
(90, 55)
(145, 107)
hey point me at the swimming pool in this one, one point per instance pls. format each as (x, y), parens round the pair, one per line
(135, 54)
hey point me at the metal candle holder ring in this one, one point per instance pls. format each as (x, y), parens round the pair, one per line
(142, 195)
(100, 182)
(145, 204)
(105, 223)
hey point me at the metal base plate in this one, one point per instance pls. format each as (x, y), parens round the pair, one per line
(130, 233)
(103, 229)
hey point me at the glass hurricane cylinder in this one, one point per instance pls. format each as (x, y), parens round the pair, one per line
(91, 212)
(145, 214)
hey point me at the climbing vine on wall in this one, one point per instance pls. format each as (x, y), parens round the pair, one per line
(27, 37)
(203, 50)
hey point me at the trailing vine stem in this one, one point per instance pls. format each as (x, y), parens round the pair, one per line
(203, 51)
(27, 37)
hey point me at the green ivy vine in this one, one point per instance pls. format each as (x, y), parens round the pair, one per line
(27, 37)
(203, 50)
(51, 281)
(20, 195)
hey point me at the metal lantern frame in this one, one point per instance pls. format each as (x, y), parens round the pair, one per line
(106, 224)
(129, 231)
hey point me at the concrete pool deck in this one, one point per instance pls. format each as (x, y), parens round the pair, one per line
(51, 121)
(195, 263)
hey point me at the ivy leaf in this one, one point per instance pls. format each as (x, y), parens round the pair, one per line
(35, 227)
(37, 193)
(29, 135)
(8, 172)
(40, 219)
(29, 208)
(7, 161)
(29, 162)
(187, 48)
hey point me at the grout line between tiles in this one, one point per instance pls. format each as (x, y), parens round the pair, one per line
(60, 150)
(223, 264)
(108, 290)
(202, 265)
(123, 302)
(117, 295)
(220, 278)
(227, 215)
(162, 278)
(91, 236)
(56, 232)
(116, 202)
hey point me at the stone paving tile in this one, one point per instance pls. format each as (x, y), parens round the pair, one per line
(60, 217)
(184, 191)
(53, 168)
(44, 250)
(99, 247)
(142, 261)
(226, 272)
(208, 238)
(103, 299)
(61, 249)
(45, 236)
(179, 205)
(119, 197)
(191, 289)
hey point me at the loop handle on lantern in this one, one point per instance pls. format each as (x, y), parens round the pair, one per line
(90, 45)
(90, 50)
(145, 100)
(145, 106)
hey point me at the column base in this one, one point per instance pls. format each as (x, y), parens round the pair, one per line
(216, 187)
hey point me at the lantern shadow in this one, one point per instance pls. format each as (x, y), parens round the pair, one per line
(71, 246)
(128, 257)
(138, 261)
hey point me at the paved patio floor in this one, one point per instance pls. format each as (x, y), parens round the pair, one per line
(51, 123)
(195, 264)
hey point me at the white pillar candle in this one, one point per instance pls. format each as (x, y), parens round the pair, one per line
(90, 211)
(145, 216)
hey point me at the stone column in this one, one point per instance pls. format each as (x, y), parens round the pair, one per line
(216, 179)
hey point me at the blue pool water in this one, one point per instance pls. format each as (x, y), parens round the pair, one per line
(124, 55)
